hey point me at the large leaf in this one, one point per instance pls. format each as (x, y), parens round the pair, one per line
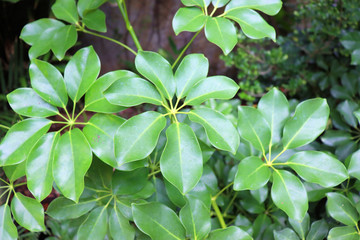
(270, 7)
(65, 10)
(229, 233)
(218, 87)
(19, 140)
(95, 226)
(354, 165)
(181, 161)
(158, 221)
(289, 194)
(119, 226)
(72, 160)
(188, 19)
(127, 183)
(318, 230)
(155, 68)
(28, 212)
(341, 209)
(308, 122)
(81, 72)
(39, 166)
(343, 233)
(62, 208)
(8, 230)
(138, 136)
(220, 131)
(318, 167)
(222, 33)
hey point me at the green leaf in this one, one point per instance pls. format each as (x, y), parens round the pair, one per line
(308, 122)
(16, 171)
(158, 70)
(222, 33)
(188, 19)
(355, 57)
(120, 228)
(88, 5)
(252, 174)
(200, 3)
(8, 230)
(127, 183)
(100, 132)
(220, 131)
(62, 208)
(28, 212)
(39, 166)
(81, 72)
(286, 233)
(343, 233)
(270, 7)
(48, 82)
(64, 38)
(346, 110)
(181, 161)
(26, 102)
(130, 92)
(219, 3)
(95, 226)
(72, 160)
(254, 128)
(95, 20)
(341, 209)
(229, 233)
(260, 225)
(354, 165)
(252, 24)
(318, 230)
(335, 138)
(19, 140)
(318, 167)
(275, 108)
(158, 221)
(174, 194)
(219, 87)
(357, 114)
(301, 227)
(65, 10)
(289, 194)
(195, 216)
(138, 136)
(95, 100)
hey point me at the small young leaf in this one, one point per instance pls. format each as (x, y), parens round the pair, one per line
(65, 10)
(95, 226)
(62, 208)
(286, 233)
(301, 227)
(119, 226)
(229, 233)
(8, 229)
(188, 19)
(270, 7)
(318, 230)
(341, 209)
(95, 19)
(343, 233)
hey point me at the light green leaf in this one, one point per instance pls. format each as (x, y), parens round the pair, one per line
(252, 174)
(357, 114)
(270, 7)
(158, 70)
(286, 233)
(189, 19)
(72, 160)
(200, 3)
(318, 167)
(335, 138)
(318, 230)
(95, 226)
(289, 194)
(64, 38)
(127, 183)
(354, 165)
(181, 161)
(95, 19)
(65, 10)
(158, 221)
(346, 110)
(229, 233)
(218, 87)
(8, 230)
(88, 5)
(130, 92)
(222, 33)
(301, 227)
(19, 140)
(219, 3)
(341, 209)
(62, 208)
(39, 166)
(308, 122)
(26, 102)
(81, 72)
(28, 213)
(100, 133)
(343, 233)
(48, 82)
(254, 128)
(119, 226)
(16, 171)
(355, 57)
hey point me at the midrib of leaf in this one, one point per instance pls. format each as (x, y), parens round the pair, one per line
(50, 154)
(218, 27)
(257, 169)
(250, 6)
(347, 214)
(180, 155)
(287, 191)
(97, 220)
(82, 76)
(311, 167)
(68, 13)
(186, 83)
(144, 97)
(193, 222)
(243, 22)
(206, 96)
(255, 133)
(101, 130)
(73, 160)
(27, 211)
(53, 88)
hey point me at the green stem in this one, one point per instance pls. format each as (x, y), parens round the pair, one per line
(62, 116)
(4, 181)
(8, 197)
(218, 213)
(273, 160)
(222, 190)
(230, 203)
(20, 184)
(184, 49)
(79, 114)
(4, 193)
(153, 173)
(66, 111)
(5, 127)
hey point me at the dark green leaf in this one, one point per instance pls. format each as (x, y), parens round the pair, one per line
(119, 226)
(270, 7)
(343, 233)
(8, 230)
(229, 233)
(62, 208)
(65, 10)
(354, 165)
(127, 183)
(341, 209)
(301, 227)
(286, 233)
(16, 171)
(95, 226)
(188, 19)
(346, 110)
(334, 138)
(174, 194)
(318, 230)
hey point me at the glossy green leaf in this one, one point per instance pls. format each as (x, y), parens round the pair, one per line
(174, 194)
(158, 221)
(270, 7)
(260, 194)
(343, 233)
(138, 136)
(195, 216)
(28, 212)
(188, 20)
(119, 226)
(181, 161)
(318, 167)
(19, 140)
(301, 227)
(158, 70)
(275, 108)
(252, 174)
(100, 133)
(81, 72)
(48, 82)
(88, 5)
(346, 110)
(260, 225)
(286, 233)
(229, 233)
(16, 171)
(62, 208)
(289, 194)
(39, 166)
(65, 10)
(355, 57)
(334, 138)
(308, 122)
(252, 24)
(341, 209)
(354, 165)
(95, 225)
(222, 33)
(253, 127)
(200, 3)
(95, 100)
(8, 229)
(220, 131)
(357, 114)
(219, 3)
(318, 230)
(71, 161)
(26, 102)
(64, 38)
(218, 87)
(127, 183)
(130, 92)
(95, 20)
